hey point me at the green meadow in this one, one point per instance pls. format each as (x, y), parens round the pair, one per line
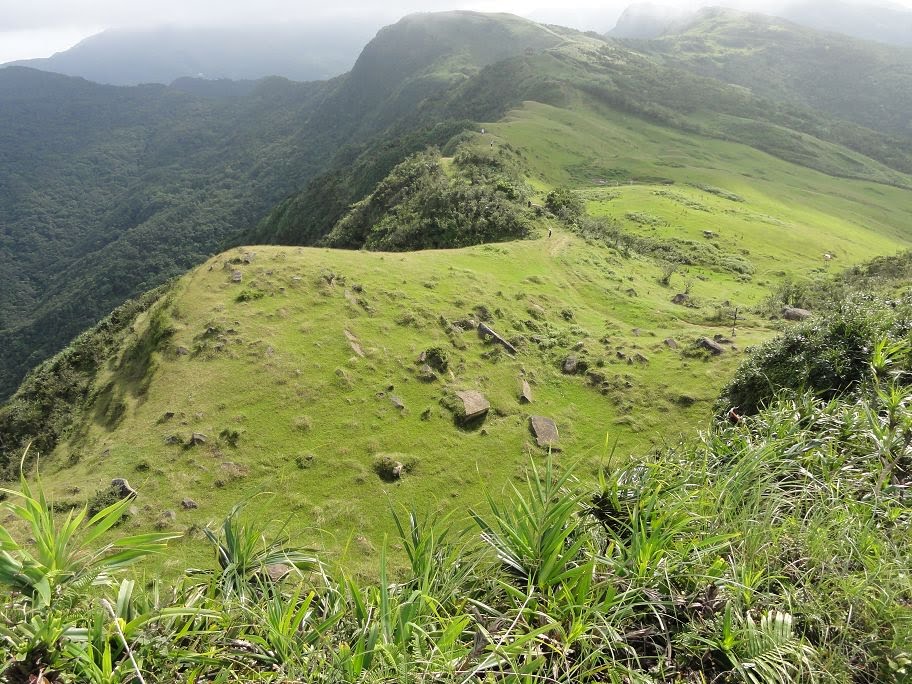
(293, 374)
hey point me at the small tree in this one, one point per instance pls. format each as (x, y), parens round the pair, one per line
(565, 204)
(669, 268)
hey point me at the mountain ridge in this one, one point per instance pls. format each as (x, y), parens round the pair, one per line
(185, 190)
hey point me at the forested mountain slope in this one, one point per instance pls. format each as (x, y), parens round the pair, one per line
(106, 191)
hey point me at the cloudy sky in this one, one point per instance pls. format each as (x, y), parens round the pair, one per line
(38, 28)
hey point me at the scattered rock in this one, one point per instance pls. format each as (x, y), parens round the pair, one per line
(471, 406)
(794, 314)
(465, 324)
(276, 572)
(182, 351)
(436, 358)
(172, 440)
(331, 278)
(236, 276)
(165, 520)
(486, 331)
(122, 488)
(426, 374)
(571, 365)
(248, 257)
(545, 431)
(631, 292)
(189, 504)
(640, 358)
(596, 378)
(388, 468)
(680, 298)
(166, 416)
(671, 343)
(197, 438)
(710, 345)
(358, 287)
(482, 313)
(709, 235)
(721, 339)
(636, 332)
(525, 393)
(354, 343)
(398, 403)
(426, 414)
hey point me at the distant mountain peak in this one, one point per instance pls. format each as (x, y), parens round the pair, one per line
(130, 56)
(646, 20)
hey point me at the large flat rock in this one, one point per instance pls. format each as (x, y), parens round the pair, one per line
(471, 405)
(545, 431)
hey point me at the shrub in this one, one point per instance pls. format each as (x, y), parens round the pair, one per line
(829, 354)
(565, 204)
(419, 206)
(248, 295)
(437, 358)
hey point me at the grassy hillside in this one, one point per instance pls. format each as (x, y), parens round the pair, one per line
(110, 191)
(583, 72)
(779, 218)
(287, 372)
(773, 548)
(292, 372)
(860, 81)
(312, 415)
(667, 218)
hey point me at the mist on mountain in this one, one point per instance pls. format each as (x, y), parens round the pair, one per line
(161, 55)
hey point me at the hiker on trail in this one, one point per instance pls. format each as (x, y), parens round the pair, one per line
(549, 232)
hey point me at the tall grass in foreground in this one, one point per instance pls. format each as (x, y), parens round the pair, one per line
(772, 551)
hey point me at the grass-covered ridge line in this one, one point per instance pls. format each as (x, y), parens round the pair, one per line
(295, 377)
(110, 179)
(771, 550)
